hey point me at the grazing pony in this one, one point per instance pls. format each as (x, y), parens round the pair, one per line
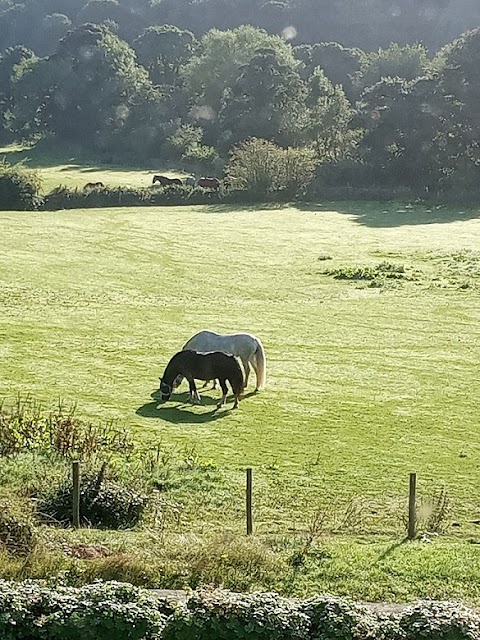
(209, 183)
(93, 185)
(245, 346)
(203, 366)
(164, 181)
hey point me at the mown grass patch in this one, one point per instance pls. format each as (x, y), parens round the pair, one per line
(364, 385)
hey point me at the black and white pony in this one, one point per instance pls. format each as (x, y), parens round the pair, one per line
(203, 366)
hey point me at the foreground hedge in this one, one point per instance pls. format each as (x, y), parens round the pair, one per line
(104, 611)
(115, 611)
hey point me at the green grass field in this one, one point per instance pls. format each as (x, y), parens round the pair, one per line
(366, 380)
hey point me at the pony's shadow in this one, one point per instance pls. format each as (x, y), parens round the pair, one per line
(179, 414)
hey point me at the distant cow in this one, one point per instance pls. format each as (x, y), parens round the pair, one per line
(209, 183)
(164, 181)
(93, 185)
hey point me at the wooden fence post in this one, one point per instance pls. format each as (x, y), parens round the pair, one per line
(411, 506)
(76, 493)
(249, 502)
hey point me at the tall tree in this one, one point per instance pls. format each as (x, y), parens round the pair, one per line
(162, 50)
(266, 100)
(216, 66)
(406, 62)
(86, 88)
(340, 64)
(404, 141)
(14, 63)
(329, 112)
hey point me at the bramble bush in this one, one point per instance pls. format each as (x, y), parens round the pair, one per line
(104, 503)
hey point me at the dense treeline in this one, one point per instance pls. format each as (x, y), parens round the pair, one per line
(367, 24)
(106, 77)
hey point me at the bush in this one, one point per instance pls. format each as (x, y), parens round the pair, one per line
(221, 615)
(106, 611)
(439, 621)
(19, 188)
(262, 167)
(17, 531)
(103, 503)
(23, 427)
(332, 618)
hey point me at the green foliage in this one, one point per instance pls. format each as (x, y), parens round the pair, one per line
(107, 611)
(406, 141)
(111, 610)
(266, 100)
(328, 127)
(186, 144)
(104, 503)
(261, 167)
(24, 427)
(340, 64)
(338, 618)
(228, 616)
(216, 66)
(85, 92)
(64, 198)
(384, 270)
(17, 530)
(19, 188)
(408, 62)
(439, 621)
(162, 50)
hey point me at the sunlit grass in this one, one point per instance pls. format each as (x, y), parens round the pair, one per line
(365, 383)
(61, 170)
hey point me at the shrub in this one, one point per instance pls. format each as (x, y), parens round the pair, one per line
(17, 530)
(439, 621)
(262, 167)
(332, 618)
(19, 188)
(230, 616)
(106, 611)
(103, 503)
(23, 427)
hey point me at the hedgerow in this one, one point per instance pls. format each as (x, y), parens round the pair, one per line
(104, 611)
(230, 616)
(113, 610)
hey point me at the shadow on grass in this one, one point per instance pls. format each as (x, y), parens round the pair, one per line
(241, 207)
(43, 155)
(391, 549)
(395, 214)
(182, 413)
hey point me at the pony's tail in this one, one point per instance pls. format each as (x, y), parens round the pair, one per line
(260, 365)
